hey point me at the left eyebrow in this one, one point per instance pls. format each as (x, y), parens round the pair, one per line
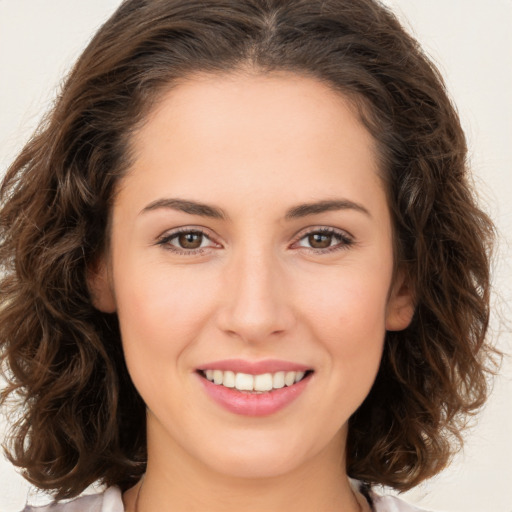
(190, 207)
(303, 210)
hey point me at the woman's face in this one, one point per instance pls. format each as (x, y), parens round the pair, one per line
(251, 245)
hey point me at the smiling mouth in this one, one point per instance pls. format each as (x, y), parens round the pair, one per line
(254, 384)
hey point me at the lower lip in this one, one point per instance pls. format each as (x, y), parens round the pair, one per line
(254, 404)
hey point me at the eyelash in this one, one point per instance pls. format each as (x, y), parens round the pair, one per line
(165, 241)
(345, 241)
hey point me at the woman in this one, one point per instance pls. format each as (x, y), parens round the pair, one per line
(243, 263)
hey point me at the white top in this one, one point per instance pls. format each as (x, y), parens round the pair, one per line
(111, 501)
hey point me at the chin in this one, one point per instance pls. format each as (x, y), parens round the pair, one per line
(256, 466)
(263, 455)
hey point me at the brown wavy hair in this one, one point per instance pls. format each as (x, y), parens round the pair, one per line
(82, 420)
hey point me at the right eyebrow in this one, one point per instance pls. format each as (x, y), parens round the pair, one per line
(190, 207)
(306, 209)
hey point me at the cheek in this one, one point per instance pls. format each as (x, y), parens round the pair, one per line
(161, 315)
(349, 302)
(347, 316)
(160, 312)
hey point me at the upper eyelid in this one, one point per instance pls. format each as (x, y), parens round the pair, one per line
(319, 229)
(185, 229)
(301, 233)
(170, 234)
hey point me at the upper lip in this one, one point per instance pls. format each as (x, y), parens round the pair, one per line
(255, 367)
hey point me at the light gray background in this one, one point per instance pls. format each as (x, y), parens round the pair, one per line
(471, 41)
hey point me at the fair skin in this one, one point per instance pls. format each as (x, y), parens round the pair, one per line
(255, 279)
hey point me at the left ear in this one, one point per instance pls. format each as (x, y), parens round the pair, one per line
(100, 287)
(400, 308)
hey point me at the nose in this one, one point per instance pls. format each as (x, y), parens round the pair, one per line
(256, 303)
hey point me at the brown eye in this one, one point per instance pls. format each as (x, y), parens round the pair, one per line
(190, 240)
(186, 242)
(325, 240)
(320, 240)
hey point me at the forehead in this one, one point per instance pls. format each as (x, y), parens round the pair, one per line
(257, 134)
(271, 106)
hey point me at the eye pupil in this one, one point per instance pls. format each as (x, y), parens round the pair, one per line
(190, 240)
(319, 240)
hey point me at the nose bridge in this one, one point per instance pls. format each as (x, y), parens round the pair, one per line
(256, 301)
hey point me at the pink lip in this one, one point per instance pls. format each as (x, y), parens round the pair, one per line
(255, 367)
(254, 404)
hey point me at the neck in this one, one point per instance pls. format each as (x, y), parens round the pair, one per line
(320, 484)
(144, 498)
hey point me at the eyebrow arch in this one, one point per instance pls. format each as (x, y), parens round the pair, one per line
(296, 212)
(190, 207)
(303, 210)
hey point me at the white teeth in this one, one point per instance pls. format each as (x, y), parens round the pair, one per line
(244, 382)
(258, 383)
(229, 379)
(218, 376)
(278, 380)
(299, 376)
(289, 378)
(263, 382)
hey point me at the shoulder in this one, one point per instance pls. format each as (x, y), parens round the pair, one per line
(381, 503)
(391, 504)
(108, 501)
